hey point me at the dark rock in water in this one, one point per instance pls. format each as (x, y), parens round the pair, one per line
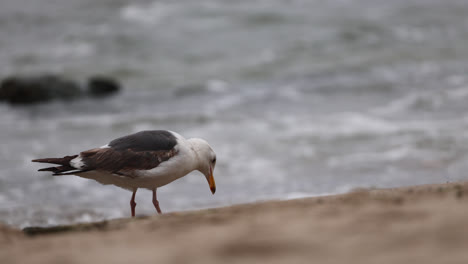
(101, 86)
(43, 88)
(25, 90)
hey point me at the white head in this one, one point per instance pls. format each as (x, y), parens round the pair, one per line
(206, 160)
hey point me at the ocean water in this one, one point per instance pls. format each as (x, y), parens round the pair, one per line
(298, 98)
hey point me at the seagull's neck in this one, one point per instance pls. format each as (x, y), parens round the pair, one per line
(195, 149)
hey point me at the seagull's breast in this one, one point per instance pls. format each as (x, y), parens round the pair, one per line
(170, 170)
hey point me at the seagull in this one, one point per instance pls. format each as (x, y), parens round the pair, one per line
(147, 159)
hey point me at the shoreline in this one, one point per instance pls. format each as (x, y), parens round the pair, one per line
(424, 224)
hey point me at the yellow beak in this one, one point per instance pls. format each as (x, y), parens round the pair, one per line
(211, 182)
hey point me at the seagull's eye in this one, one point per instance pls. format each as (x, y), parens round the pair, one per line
(214, 160)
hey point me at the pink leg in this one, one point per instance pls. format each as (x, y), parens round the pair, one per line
(132, 203)
(155, 202)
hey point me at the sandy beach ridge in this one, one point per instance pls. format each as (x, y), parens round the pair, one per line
(418, 224)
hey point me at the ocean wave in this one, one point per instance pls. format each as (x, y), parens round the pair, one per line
(210, 86)
(301, 195)
(367, 158)
(459, 93)
(423, 101)
(148, 14)
(72, 49)
(348, 124)
(413, 101)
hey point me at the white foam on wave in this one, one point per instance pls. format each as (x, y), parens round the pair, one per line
(371, 157)
(431, 100)
(356, 123)
(290, 92)
(72, 49)
(265, 56)
(411, 101)
(298, 195)
(100, 120)
(459, 93)
(223, 103)
(149, 14)
(340, 125)
(217, 86)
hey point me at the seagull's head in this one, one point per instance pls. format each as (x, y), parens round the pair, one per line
(206, 160)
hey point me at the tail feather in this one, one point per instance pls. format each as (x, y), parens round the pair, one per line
(53, 169)
(68, 172)
(64, 169)
(60, 161)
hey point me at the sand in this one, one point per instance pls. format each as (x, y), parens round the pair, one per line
(420, 224)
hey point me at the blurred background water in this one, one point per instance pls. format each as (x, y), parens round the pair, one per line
(297, 97)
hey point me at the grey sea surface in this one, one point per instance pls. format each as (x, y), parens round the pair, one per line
(298, 98)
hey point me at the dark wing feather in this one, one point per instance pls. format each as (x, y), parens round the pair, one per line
(124, 162)
(151, 140)
(140, 151)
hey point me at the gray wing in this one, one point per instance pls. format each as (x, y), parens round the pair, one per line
(150, 140)
(123, 162)
(140, 151)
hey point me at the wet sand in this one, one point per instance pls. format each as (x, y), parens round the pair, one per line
(420, 224)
